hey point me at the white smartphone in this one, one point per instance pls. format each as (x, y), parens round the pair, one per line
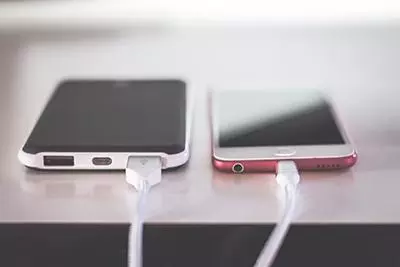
(98, 124)
(253, 129)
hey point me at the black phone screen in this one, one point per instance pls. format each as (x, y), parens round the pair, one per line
(262, 118)
(112, 116)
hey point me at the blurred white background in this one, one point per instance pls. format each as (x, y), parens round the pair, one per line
(34, 14)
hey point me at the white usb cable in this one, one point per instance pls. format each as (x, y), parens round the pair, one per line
(142, 173)
(288, 178)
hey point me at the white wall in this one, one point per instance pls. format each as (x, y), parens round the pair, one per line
(57, 14)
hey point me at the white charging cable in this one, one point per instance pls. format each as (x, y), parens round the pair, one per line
(142, 173)
(288, 178)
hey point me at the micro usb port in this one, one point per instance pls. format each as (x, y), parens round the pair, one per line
(58, 161)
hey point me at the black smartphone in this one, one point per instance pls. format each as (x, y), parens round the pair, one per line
(98, 124)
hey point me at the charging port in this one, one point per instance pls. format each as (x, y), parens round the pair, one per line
(58, 161)
(103, 161)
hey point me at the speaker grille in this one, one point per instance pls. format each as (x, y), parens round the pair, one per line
(325, 166)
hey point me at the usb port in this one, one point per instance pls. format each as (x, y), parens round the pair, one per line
(102, 161)
(58, 161)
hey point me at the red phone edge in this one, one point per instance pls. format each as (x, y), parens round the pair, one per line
(302, 164)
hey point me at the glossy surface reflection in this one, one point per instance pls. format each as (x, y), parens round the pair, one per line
(262, 118)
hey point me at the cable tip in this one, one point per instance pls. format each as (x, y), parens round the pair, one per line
(287, 173)
(143, 170)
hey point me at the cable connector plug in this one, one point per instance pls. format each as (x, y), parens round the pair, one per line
(143, 170)
(287, 173)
